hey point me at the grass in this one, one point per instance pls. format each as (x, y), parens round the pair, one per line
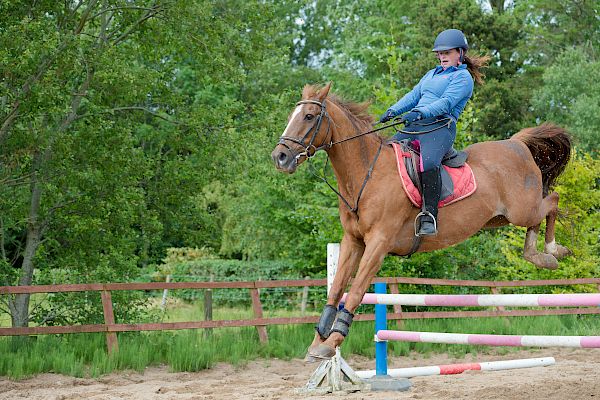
(84, 355)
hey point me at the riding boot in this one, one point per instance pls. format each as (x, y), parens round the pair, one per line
(431, 182)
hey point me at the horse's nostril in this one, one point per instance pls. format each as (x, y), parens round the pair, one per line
(282, 157)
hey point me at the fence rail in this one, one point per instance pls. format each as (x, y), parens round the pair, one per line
(111, 328)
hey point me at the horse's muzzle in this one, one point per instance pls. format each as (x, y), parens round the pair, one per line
(284, 160)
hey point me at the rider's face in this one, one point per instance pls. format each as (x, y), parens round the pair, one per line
(449, 58)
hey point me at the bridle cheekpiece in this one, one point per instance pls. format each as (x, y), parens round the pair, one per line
(311, 149)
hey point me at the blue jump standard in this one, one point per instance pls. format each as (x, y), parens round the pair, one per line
(382, 381)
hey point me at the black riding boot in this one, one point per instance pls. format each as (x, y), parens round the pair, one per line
(432, 185)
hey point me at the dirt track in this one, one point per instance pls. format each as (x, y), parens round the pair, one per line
(576, 375)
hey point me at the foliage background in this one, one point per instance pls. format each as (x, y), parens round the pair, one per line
(129, 128)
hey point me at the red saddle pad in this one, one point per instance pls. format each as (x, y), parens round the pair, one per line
(462, 178)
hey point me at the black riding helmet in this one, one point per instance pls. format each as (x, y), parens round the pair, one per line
(450, 39)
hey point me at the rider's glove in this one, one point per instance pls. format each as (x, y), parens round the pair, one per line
(389, 114)
(412, 116)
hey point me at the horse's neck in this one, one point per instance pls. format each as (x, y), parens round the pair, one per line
(351, 160)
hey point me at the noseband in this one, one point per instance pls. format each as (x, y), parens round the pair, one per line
(311, 149)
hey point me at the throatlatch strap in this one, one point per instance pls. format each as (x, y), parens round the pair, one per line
(326, 321)
(342, 322)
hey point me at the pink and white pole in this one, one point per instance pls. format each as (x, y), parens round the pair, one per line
(490, 340)
(451, 369)
(485, 300)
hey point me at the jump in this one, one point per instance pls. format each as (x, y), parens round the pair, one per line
(514, 181)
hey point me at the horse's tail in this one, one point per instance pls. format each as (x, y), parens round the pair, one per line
(550, 146)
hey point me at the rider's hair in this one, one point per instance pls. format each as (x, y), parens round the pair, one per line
(474, 64)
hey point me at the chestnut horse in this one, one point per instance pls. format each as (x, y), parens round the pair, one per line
(513, 180)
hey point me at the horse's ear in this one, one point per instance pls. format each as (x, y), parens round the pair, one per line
(323, 92)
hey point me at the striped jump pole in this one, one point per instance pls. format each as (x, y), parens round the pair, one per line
(452, 369)
(491, 340)
(484, 300)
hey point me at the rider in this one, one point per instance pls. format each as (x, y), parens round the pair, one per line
(441, 94)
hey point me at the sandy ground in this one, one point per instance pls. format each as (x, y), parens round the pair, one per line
(576, 375)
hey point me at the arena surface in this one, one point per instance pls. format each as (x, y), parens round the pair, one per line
(576, 375)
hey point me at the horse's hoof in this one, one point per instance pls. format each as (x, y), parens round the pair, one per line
(542, 260)
(318, 353)
(561, 252)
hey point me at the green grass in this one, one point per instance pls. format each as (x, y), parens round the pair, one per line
(84, 355)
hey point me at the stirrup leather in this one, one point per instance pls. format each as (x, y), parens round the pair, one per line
(424, 213)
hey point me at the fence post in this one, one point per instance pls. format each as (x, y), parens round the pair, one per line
(304, 297)
(109, 319)
(258, 313)
(208, 307)
(495, 290)
(163, 304)
(397, 307)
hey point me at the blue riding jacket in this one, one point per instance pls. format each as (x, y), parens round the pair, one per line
(439, 92)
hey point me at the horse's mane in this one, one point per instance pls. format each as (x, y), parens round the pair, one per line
(356, 112)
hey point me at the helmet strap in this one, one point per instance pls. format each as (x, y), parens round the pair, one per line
(462, 55)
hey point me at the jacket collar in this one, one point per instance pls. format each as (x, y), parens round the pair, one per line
(439, 68)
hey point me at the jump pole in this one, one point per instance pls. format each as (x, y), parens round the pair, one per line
(485, 300)
(588, 342)
(452, 369)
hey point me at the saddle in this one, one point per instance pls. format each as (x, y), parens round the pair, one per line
(458, 181)
(452, 159)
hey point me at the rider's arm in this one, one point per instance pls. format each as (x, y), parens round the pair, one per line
(410, 99)
(459, 88)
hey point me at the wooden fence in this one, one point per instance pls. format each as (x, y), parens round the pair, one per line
(111, 328)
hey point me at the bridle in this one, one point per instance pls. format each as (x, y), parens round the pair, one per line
(327, 144)
(310, 149)
(315, 131)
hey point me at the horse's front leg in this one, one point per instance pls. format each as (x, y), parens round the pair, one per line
(351, 251)
(369, 265)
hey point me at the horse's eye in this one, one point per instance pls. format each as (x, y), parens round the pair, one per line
(309, 117)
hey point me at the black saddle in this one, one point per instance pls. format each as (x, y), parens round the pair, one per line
(453, 159)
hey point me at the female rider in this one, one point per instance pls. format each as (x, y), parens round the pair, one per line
(440, 95)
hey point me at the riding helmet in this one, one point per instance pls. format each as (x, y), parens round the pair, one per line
(450, 39)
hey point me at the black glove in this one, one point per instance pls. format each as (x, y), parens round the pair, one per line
(412, 116)
(389, 114)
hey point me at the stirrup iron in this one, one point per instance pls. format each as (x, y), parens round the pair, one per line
(417, 224)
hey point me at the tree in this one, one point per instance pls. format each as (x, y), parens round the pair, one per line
(108, 112)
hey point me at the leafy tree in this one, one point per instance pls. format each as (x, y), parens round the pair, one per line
(575, 101)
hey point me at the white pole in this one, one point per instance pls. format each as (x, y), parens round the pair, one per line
(452, 369)
(333, 255)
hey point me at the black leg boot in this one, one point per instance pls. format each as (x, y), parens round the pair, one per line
(427, 218)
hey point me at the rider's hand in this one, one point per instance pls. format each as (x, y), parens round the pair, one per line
(412, 116)
(389, 114)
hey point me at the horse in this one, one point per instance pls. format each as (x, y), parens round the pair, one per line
(514, 178)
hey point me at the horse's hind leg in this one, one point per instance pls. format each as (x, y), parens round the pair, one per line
(530, 253)
(550, 245)
(548, 208)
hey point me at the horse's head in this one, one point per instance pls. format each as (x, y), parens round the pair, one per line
(308, 130)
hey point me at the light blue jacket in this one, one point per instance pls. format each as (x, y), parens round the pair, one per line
(439, 92)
